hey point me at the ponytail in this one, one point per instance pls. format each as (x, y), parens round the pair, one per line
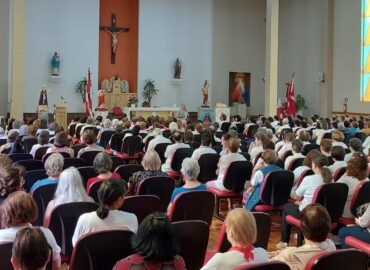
(109, 192)
(326, 175)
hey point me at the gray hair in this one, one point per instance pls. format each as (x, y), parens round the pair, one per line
(70, 188)
(54, 165)
(233, 133)
(355, 144)
(103, 163)
(17, 124)
(13, 135)
(107, 123)
(43, 137)
(190, 169)
(173, 127)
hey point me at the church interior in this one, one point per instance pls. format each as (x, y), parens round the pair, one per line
(259, 110)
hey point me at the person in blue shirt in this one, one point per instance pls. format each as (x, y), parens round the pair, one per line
(190, 171)
(54, 167)
(353, 129)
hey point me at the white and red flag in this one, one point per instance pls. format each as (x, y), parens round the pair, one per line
(88, 100)
(290, 99)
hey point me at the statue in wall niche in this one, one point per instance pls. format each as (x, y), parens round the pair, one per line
(177, 69)
(205, 93)
(55, 62)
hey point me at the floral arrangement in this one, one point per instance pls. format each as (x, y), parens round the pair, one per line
(133, 100)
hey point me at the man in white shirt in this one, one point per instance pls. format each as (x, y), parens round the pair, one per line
(297, 146)
(205, 147)
(158, 138)
(285, 125)
(171, 149)
(337, 154)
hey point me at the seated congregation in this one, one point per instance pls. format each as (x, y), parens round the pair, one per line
(143, 194)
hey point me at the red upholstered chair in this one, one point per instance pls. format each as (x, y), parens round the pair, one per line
(179, 155)
(105, 138)
(28, 143)
(256, 158)
(225, 126)
(303, 175)
(263, 222)
(89, 157)
(20, 156)
(235, 176)
(131, 148)
(357, 243)
(208, 166)
(127, 170)
(192, 238)
(32, 176)
(161, 149)
(274, 265)
(94, 188)
(339, 173)
(295, 163)
(193, 205)
(117, 113)
(31, 164)
(41, 152)
(75, 162)
(275, 191)
(359, 197)
(250, 132)
(160, 186)
(344, 259)
(141, 205)
(63, 220)
(101, 250)
(87, 173)
(42, 196)
(333, 197)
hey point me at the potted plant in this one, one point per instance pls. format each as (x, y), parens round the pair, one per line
(80, 89)
(149, 91)
(132, 101)
(300, 104)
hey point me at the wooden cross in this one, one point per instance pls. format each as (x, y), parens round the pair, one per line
(114, 31)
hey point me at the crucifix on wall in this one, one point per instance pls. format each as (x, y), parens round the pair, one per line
(114, 31)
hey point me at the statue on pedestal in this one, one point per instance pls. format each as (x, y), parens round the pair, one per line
(177, 74)
(205, 94)
(101, 98)
(55, 62)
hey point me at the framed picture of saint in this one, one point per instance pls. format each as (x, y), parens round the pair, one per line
(239, 88)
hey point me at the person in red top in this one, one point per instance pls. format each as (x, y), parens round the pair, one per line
(154, 245)
(103, 166)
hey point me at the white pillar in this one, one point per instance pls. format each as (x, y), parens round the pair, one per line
(17, 62)
(272, 45)
(326, 88)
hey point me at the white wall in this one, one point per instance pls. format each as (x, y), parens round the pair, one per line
(347, 51)
(70, 28)
(300, 49)
(4, 54)
(239, 45)
(170, 29)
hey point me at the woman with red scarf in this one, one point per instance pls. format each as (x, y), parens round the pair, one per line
(241, 232)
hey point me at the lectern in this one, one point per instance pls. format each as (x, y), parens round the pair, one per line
(60, 115)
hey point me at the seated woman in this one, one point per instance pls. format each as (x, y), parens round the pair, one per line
(103, 166)
(205, 147)
(306, 165)
(337, 154)
(154, 245)
(356, 171)
(304, 194)
(61, 144)
(54, 167)
(225, 144)
(111, 196)
(241, 230)
(225, 161)
(89, 138)
(315, 224)
(338, 139)
(152, 167)
(269, 158)
(43, 140)
(18, 211)
(190, 170)
(13, 136)
(260, 138)
(11, 178)
(69, 189)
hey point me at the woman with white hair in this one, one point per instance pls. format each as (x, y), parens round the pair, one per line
(173, 127)
(70, 189)
(152, 167)
(107, 126)
(54, 167)
(190, 170)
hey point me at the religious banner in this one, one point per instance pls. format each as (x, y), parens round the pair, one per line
(239, 88)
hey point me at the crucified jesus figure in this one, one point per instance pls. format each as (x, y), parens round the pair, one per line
(114, 38)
